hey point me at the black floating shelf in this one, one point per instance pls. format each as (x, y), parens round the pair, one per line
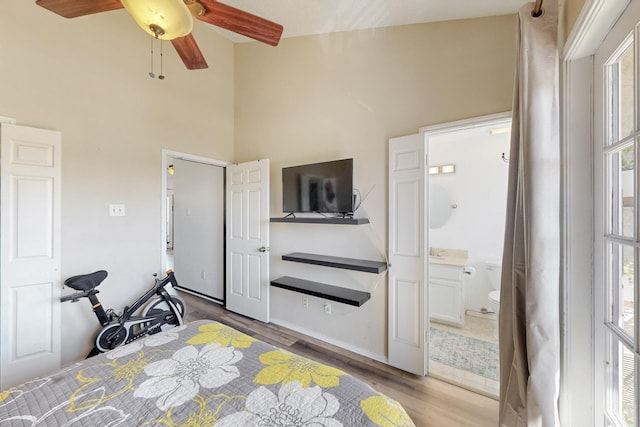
(322, 290)
(337, 262)
(303, 220)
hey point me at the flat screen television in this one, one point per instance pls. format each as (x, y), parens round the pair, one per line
(325, 187)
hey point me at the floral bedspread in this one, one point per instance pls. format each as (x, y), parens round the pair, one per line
(201, 374)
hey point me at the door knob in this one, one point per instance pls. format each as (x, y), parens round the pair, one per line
(264, 249)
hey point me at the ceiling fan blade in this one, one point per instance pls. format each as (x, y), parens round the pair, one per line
(190, 53)
(241, 22)
(75, 8)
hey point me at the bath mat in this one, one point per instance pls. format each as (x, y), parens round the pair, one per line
(469, 354)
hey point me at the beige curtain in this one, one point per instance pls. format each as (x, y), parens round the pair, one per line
(529, 300)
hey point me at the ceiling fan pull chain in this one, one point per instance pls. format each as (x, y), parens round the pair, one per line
(161, 76)
(151, 72)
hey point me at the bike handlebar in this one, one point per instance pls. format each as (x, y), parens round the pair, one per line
(169, 278)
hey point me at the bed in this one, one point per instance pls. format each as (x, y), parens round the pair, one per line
(201, 374)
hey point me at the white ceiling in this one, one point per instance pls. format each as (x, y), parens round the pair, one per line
(306, 17)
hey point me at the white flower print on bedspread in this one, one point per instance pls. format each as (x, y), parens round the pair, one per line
(155, 340)
(293, 407)
(176, 380)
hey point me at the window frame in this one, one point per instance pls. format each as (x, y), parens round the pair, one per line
(580, 394)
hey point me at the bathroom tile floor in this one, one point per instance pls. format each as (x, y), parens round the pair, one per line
(475, 327)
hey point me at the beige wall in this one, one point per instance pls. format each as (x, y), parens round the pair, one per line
(310, 99)
(344, 95)
(572, 9)
(87, 77)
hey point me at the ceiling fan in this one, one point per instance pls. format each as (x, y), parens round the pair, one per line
(210, 11)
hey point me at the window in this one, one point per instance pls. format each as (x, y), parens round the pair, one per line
(600, 233)
(621, 240)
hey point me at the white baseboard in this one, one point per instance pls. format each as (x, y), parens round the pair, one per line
(330, 340)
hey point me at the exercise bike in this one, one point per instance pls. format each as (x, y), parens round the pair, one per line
(162, 311)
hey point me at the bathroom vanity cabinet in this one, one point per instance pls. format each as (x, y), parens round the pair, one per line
(446, 294)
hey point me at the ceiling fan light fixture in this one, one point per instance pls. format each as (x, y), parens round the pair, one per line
(196, 8)
(163, 19)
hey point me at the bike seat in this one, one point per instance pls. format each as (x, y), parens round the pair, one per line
(85, 282)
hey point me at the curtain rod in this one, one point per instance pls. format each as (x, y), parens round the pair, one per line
(537, 9)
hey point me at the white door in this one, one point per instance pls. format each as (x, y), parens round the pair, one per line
(29, 253)
(408, 275)
(247, 232)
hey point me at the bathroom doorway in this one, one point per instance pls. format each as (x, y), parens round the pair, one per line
(468, 175)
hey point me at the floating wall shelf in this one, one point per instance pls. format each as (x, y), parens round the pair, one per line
(303, 220)
(337, 262)
(322, 290)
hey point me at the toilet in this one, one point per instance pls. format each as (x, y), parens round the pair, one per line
(494, 271)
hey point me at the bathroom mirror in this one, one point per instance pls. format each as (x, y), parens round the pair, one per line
(439, 205)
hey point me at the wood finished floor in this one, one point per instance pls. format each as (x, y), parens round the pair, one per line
(429, 402)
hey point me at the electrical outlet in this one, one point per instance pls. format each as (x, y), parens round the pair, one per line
(116, 210)
(305, 302)
(327, 308)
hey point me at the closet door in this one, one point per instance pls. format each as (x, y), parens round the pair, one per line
(30, 253)
(198, 233)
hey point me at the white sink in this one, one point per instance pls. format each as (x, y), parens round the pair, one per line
(455, 257)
